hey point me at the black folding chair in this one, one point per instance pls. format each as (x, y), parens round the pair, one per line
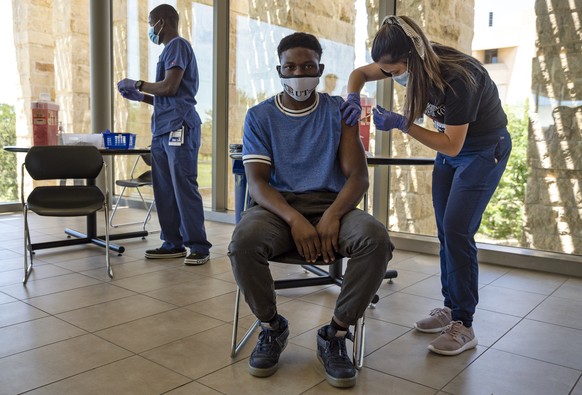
(63, 162)
(144, 179)
(334, 275)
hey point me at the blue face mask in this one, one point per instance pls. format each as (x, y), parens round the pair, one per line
(401, 79)
(155, 38)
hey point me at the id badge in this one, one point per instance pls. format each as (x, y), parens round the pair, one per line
(176, 137)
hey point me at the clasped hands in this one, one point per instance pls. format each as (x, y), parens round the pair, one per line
(315, 241)
(127, 89)
(351, 111)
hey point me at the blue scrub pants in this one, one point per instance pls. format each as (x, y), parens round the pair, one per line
(178, 202)
(461, 188)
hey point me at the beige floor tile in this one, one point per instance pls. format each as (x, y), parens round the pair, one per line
(299, 371)
(78, 298)
(6, 298)
(15, 312)
(45, 365)
(405, 279)
(198, 355)
(115, 312)
(571, 289)
(69, 254)
(545, 342)
(427, 288)
(508, 301)
(491, 326)
(193, 388)
(497, 372)
(578, 388)
(37, 349)
(97, 264)
(216, 265)
(12, 262)
(526, 280)
(133, 375)
(193, 291)
(303, 316)
(372, 382)
(36, 333)
(378, 333)
(403, 309)
(489, 273)
(325, 297)
(559, 311)
(40, 272)
(151, 332)
(401, 255)
(427, 264)
(220, 249)
(220, 307)
(48, 285)
(155, 280)
(408, 358)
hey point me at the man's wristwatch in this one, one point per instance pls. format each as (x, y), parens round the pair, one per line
(138, 85)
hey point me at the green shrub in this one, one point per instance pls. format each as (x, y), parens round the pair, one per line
(503, 219)
(8, 175)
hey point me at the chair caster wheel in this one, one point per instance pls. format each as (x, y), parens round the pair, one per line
(375, 300)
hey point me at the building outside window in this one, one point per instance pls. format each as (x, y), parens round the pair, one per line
(537, 206)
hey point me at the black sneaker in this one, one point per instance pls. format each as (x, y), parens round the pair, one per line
(331, 351)
(165, 253)
(196, 258)
(264, 359)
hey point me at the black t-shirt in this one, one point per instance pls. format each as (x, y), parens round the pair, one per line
(459, 104)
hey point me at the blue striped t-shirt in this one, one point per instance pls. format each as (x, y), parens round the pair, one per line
(300, 146)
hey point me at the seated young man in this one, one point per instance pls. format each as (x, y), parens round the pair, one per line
(306, 172)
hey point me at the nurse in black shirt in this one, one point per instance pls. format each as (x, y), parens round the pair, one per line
(472, 144)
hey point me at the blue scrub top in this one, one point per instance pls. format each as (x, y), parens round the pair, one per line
(171, 112)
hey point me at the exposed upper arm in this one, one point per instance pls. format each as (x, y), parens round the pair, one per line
(172, 80)
(371, 72)
(351, 152)
(257, 174)
(456, 135)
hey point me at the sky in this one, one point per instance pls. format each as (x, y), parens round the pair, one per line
(8, 63)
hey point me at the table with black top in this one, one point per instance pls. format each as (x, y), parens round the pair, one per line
(91, 236)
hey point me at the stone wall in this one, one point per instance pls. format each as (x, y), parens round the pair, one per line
(553, 212)
(448, 22)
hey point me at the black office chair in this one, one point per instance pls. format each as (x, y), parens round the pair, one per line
(144, 179)
(334, 275)
(63, 162)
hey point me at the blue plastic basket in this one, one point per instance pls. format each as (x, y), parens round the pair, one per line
(119, 140)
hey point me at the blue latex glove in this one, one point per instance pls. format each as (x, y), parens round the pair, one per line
(386, 120)
(133, 94)
(127, 89)
(351, 109)
(126, 84)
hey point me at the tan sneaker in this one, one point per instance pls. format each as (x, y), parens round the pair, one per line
(454, 339)
(438, 320)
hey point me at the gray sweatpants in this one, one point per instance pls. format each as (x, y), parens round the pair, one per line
(261, 235)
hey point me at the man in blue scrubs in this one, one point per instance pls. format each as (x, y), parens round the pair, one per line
(175, 142)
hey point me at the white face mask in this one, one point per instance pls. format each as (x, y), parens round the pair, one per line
(299, 88)
(401, 79)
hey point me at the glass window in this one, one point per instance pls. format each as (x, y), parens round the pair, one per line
(490, 56)
(8, 96)
(196, 25)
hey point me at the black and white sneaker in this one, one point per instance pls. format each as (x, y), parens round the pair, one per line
(196, 258)
(264, 360)
(331, 351)
(165, 253)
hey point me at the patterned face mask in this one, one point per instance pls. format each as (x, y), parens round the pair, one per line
(299, 88)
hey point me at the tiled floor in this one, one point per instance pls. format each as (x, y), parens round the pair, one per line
(160, 327)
